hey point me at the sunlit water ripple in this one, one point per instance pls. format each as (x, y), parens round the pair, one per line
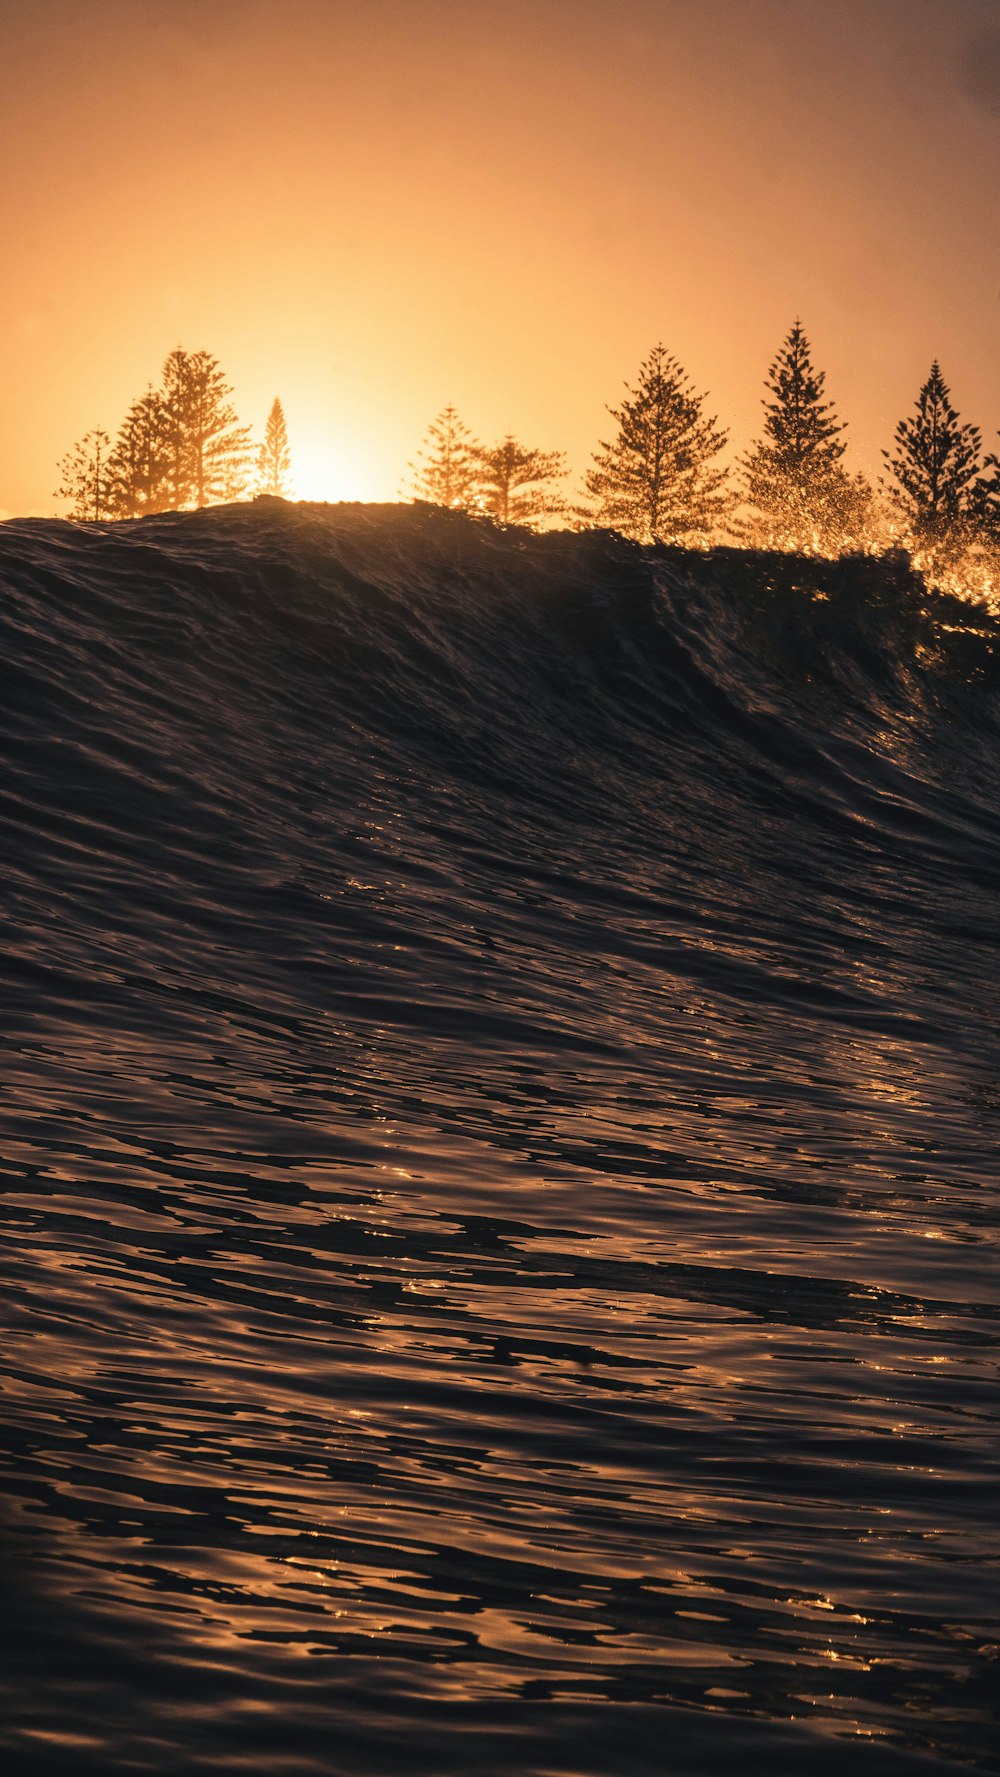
(499, 1185)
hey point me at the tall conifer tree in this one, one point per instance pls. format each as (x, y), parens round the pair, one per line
(797, 492)
(175, 413)
(936, 469)
(446, 470)
(658, 479)
(85, 480)
(517, 484)
(208, 451)
(139, 463)
(274, 462)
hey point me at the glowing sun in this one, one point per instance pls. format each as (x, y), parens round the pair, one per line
(323, 469)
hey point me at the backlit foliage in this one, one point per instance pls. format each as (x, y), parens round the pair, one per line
(658, 479)
(934, 468)
(518, 485)
(209, 451)
(140, 459)
(446, 469)
(85, 478)
(797, 494)
(274, 460)
(180, 445)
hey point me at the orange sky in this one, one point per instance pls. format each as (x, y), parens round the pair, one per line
(373, 208)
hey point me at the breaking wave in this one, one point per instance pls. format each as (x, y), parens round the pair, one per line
(501, 1057)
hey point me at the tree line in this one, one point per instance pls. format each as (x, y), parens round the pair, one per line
(179, 445)
(657, 478)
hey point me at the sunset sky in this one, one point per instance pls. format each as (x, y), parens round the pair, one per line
(373, 209)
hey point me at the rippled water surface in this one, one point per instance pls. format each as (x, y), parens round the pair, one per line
(499, 1192)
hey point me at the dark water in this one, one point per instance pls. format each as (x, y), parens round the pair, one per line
(501, 1107)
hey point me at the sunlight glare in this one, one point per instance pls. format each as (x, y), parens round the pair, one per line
(323, 469)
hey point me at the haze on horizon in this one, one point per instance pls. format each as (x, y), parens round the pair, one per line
(371, 213)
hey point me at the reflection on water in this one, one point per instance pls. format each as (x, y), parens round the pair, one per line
(498, 1184)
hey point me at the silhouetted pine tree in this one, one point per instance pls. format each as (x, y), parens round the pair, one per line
(208, 451)
(446, 470)
(516, 484)
(799, 497)
(84, 478)
(658, 481)
(138, 465)
(936, 469)
(175, 411)
(274, 462)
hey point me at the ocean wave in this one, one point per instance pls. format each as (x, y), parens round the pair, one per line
(501, 1069)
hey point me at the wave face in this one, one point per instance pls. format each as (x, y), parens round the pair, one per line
(502, 1104)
